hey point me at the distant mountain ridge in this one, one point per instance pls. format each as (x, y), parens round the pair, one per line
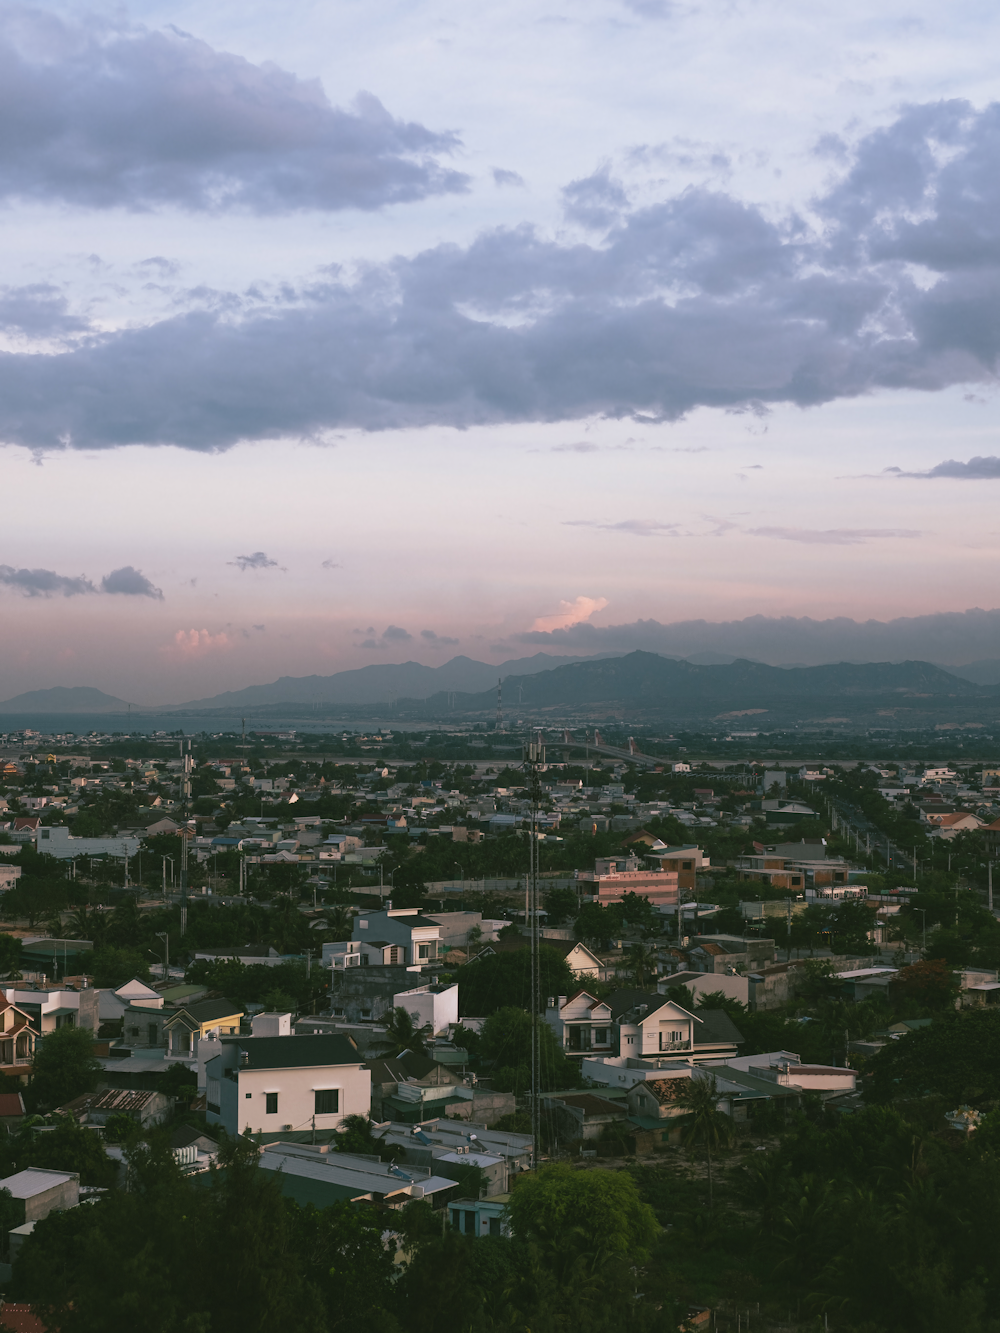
(63, 699)
(642, 683)
(377, 683)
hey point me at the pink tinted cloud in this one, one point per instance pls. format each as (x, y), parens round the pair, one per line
(571, 613)
(188, 643)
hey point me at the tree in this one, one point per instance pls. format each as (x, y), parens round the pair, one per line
(505, 1042)
(930, 984)
(642, 962)
(64, 1067)
(402, 1034)
(112, 967)
(703, 1122)
(71, 1147)
(600, 1212)
(560, 904)
(501, 980)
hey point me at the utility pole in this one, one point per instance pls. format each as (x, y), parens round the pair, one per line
(499, 725)
(533, 757)
(989, 886)
(162, 935)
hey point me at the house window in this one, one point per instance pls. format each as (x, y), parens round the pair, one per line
(600, 1036)
(423, 950)
(687, 865)
(270, 1103)
(134, 1033)
(327, 1101)
(470, 1224)
(494, 1226)
(366, 1013)
(338, 1013)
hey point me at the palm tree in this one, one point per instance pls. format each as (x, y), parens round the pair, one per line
(402, 1035)
(641, 959)
(703, 1121)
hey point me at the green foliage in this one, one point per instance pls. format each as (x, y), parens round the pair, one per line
(561, 905)
(112, 967)
(957, 1058)
(506, 1045)
(600, 1212)
(401, 1034)
(64, 1067)
(71, 1147)
(501, 980)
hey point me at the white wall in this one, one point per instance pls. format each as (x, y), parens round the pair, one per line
(424, 1006)
(295, 1089)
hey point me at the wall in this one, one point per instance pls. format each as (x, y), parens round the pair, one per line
(296, 1102)
(371, 988)
(439, 1009)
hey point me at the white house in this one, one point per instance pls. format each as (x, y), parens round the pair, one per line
(133, 994)
(433, 1006)
(277, 1086)
(581, 1023)
(402, 934)
(648, 1027)
(56, 841)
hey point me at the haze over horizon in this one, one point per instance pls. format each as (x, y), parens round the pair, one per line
(341, 335)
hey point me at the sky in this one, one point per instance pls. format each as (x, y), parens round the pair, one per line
(338, 334)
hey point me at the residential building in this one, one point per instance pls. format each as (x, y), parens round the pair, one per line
(582, 961)
(425, 1143)
(433, 1007)
(649, 1025)
(52, 1007)
(402, 935)
(480, 1217)
(57, 841)
(314, 1175)
(722, 954)
(132, 994)
(581, 1024)
(612, 878)
(792, 865)
(185, 1027)
(17, 1041)
(276, 1086)
(583, 1115)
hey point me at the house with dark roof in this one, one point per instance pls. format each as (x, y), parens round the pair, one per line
(286, 1087)
(651, 1025)
(192, 1023)
(581, 1024)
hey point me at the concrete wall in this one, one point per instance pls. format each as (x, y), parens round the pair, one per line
(367, 988)
(425, 1005)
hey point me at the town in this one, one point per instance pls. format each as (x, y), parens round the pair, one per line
(590, 1024)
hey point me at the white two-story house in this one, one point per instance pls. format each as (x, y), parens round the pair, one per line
(396, 937)
(286, 1087)
(581, 1024)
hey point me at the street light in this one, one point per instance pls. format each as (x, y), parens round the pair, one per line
(162, 935)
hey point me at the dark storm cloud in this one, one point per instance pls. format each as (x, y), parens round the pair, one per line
(105, 114)
(130, 582)
(700, 300)
(43, 582)
(959, 636)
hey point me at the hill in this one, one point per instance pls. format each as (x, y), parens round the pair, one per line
(60, 699)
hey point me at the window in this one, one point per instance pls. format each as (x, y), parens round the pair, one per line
(494, 1226)
(600, 1036)
(248, 1095)
(366, 1013)
(327, 1101)
(423, 950)
(134, 1033)
(687, 865)
(270, 1103)
(338, 1013)
(45, 834)
(470, 1224)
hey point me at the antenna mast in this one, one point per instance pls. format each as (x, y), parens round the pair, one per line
(499, 726)
(534, 755)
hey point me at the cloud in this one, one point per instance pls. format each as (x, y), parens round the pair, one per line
(953, 636)
(131, 582)
(197, 643)
(596, 201)
(503, 177)
(259, 560)
(44, 582)
(393, 634)
(330, 564)
(38, 310)
(831, 536)
(976, 469)
(698, 300)
(635, 527)
(572, 613)
(114, 115)
(431, 637)
(260, 628)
